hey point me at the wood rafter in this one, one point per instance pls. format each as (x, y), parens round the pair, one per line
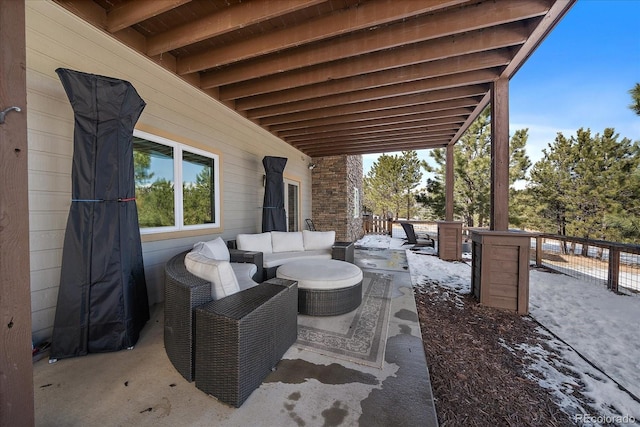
(395, 115)
(393, 36)
(399, 58)
(455, 114)
(292, 120)
(225, 21)
(338, 76)
(132, 13)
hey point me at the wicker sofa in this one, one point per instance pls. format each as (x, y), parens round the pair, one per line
(273, 249)
(228, 346)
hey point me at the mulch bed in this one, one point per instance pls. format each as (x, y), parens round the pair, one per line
(476, 380)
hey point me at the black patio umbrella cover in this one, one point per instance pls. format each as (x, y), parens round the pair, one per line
(102, 300)
(274, 217)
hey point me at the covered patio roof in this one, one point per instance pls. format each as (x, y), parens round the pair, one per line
(333, 77)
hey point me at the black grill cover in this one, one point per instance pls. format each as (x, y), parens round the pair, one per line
(102, 300)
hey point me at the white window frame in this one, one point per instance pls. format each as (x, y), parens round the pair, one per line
(178, 149)
(296, 214)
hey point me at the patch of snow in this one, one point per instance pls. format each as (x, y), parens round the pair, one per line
(587, 322)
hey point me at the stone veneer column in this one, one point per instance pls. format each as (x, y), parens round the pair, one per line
(336, 193)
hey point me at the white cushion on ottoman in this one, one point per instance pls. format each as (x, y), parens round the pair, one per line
(321, 274)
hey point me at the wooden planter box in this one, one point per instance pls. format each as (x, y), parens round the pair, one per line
(500, 269)
(450, 240)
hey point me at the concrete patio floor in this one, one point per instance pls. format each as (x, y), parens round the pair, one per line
(140, 387)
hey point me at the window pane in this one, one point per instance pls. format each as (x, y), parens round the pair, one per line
(153, 172)
(197, 189)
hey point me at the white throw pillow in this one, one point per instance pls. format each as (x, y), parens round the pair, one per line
(219, 273)
(315, 240)
(287, 241)
(214, 249)
(260, 242)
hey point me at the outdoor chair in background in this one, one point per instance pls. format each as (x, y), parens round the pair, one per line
(423, 240)
(310, 224)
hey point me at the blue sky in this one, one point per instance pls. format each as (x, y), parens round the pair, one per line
(578, 77)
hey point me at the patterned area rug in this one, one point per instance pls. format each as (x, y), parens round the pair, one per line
(359, 336)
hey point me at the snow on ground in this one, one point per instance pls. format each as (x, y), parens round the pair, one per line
(595, 332)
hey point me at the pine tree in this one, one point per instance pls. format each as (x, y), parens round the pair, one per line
(391, 182)
(411, 177)
(550, 182)
(588, 186)
(635, 97)
(472, 171)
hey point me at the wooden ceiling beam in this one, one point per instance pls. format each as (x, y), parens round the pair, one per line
(457, 115)
(366, 15)
(224, 21)
(427, 121)
(552, 17)
(414, 143)
(439, 95)
(410, 55)
(419, 30)
(482, 77)
(382, 140)
(134, 12)
(399, 113)
(388, 140)
(410, 128)
(87, 10)
(443, 67)
(449, 121)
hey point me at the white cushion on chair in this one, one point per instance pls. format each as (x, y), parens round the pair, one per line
(254, 242)
(219, 273)
(244, 274)
(215, 249)
(287, 241)
(314, 240)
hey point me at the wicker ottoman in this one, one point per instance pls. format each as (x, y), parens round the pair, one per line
(325, 287)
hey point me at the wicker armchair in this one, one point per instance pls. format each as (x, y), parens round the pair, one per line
(214, 342)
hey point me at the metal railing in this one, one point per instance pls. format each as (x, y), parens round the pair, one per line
(612, 264)
(616, 265)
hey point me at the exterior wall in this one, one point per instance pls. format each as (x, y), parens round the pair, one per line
(337, 196)
(175, 109)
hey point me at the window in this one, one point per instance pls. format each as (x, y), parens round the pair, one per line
(162, 206)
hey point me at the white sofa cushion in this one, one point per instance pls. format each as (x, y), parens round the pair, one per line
(314, 240)
(219, 273)
(286, 241)
(260, 242)
(214, 249)
(279, 258)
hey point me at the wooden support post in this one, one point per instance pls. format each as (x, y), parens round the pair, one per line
(16, 366)
(449, 182)
(539, 244)
(500, 155)
(614, 269)
(450, 240)
(500, 269)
